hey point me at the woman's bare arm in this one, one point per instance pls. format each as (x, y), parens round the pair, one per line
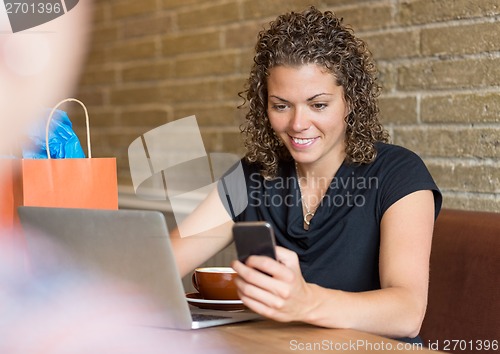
(206, 231)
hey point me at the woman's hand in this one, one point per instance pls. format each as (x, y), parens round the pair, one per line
(281, 294)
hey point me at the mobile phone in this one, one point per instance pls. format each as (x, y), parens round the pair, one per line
(254, 238)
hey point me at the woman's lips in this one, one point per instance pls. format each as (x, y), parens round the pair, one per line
(302, 142)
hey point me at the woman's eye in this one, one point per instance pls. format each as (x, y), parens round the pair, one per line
(279, 107)
(319, 106)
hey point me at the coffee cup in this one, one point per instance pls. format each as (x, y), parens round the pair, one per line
(215, 283)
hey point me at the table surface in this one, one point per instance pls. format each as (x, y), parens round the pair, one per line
(265, 336)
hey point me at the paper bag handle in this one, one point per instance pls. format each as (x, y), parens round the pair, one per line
(86, 122)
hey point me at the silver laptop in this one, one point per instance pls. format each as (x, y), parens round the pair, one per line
(133, 245)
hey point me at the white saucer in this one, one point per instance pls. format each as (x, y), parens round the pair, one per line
(195, 299)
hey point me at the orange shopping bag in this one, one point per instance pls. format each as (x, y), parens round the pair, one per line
(67, 183)
(10, 194)
(70, 183)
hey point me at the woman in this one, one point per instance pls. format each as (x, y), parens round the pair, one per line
(353, 215)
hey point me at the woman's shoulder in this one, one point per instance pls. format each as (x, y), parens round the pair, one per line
(395, 163)
(391, 151)
(401, 171)
(390, 156)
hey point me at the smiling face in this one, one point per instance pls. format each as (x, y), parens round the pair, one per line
(307, 110)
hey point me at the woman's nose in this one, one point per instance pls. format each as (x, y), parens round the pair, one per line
(300, 120)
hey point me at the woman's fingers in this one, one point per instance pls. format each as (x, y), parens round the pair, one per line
(265, 274)
(260, 292)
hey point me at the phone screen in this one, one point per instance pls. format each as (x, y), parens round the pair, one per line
(254, 238)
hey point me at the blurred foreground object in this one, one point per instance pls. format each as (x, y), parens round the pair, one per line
(38, 67)
(49, 308)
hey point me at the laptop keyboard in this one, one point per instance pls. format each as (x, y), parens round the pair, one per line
(199, 317)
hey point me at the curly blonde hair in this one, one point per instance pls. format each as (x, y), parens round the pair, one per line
(313, 37)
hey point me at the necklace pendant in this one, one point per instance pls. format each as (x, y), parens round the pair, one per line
(307, 220)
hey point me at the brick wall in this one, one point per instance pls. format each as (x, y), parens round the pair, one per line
(154, 61)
